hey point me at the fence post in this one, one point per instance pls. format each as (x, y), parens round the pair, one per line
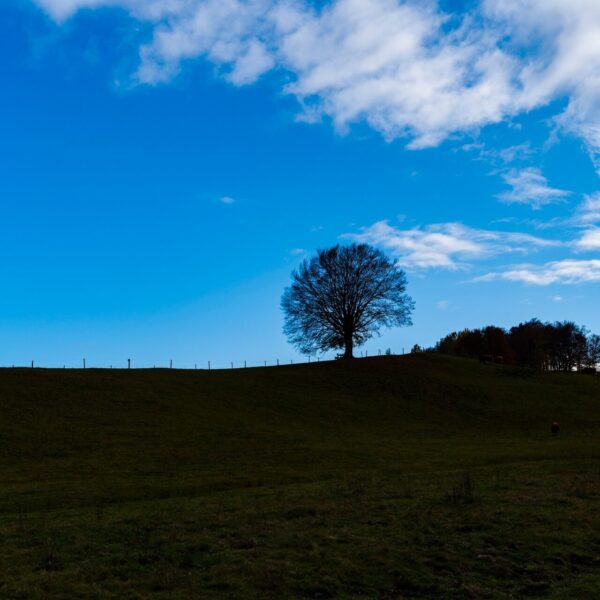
(244, 364)
(171, 364)
(32, 364)
(129, 363)
(277, 362)
(84, 363)
(232, 365)
(209, 365)
(265, 363)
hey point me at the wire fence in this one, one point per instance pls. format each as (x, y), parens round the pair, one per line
(207, 365)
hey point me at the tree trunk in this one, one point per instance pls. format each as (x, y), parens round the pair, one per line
(349, 345)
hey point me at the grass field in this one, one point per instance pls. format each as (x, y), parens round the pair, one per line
(417, 476)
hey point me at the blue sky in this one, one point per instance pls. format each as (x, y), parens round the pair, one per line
(166, 164)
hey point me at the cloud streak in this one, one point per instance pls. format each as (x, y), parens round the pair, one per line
(566, 272)
(456, 247)
(448, 246)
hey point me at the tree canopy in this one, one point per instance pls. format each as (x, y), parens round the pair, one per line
(343, 296)
(560, 346)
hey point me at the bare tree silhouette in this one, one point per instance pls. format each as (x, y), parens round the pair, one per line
(342, 297)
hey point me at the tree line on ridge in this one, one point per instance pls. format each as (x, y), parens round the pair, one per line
(560, 346)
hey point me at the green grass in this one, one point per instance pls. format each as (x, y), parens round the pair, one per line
(417, 476)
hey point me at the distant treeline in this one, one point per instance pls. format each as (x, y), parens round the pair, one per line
(560, 346)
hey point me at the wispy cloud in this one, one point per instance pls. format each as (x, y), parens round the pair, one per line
(529, 186)
(227, 200)
(405, 67)
(446, 245)
(500, 157)
(589, 211)
(590, 240)
(566, 272)
(587, 218)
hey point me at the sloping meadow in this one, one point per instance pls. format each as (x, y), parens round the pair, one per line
(415, 476)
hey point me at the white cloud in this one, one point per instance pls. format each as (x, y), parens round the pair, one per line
(586, 217)
(529, 186)
(517, 152)
(405, 67)
(227, 200)
(390, 64)
(590, 240)
(563, 61)
(446, 245)
(589, 211)
(567, 272)
(148, 10)
(62, 9)
(230, 33)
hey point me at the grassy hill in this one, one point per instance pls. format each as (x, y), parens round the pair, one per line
(415, 476)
